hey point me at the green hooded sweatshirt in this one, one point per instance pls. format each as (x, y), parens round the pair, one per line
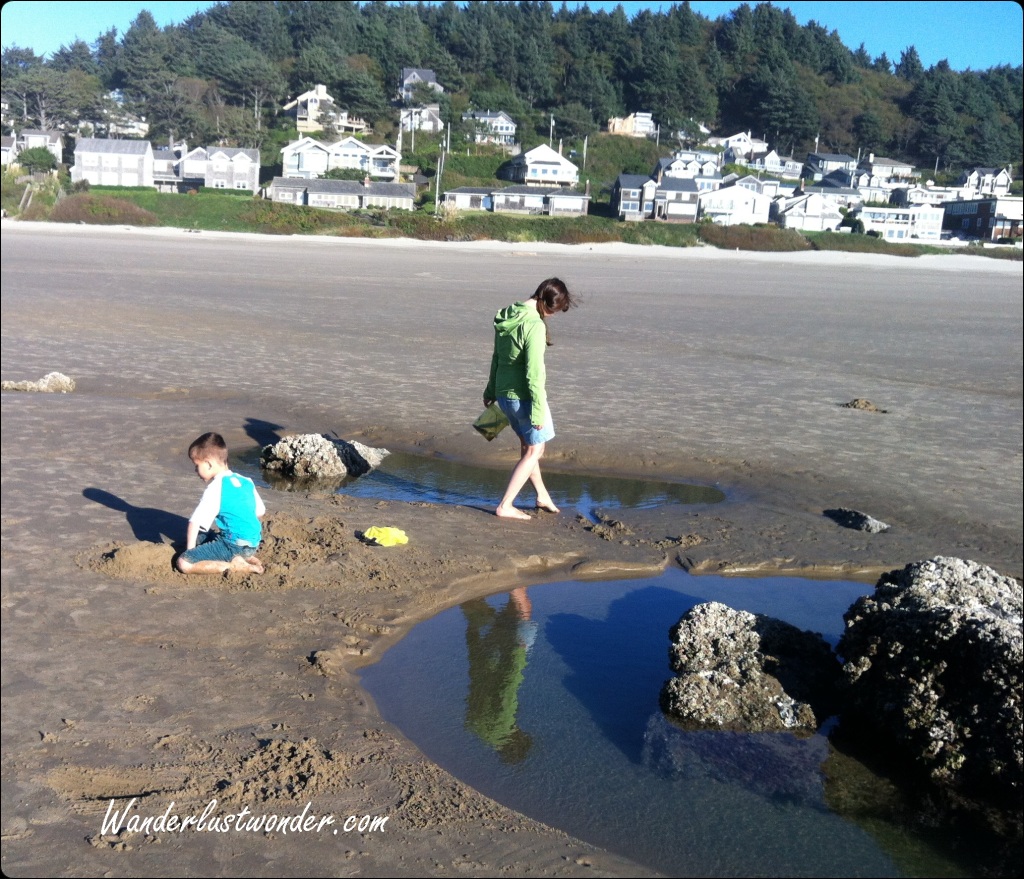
(517, 367)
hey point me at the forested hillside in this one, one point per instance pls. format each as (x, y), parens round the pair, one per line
(222, 76)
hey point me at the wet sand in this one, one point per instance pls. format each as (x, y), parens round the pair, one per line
(123, 680)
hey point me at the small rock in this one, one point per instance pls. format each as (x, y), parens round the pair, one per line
(861, 403)
(856, 520)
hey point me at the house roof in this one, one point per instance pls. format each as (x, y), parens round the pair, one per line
(487, 115)
(52, 136)
(522, 189)
(471, 190)
(423, 73)
(354, 187)
(831, 157)
(631, 181)
(106, 145)
(677, 184)
(235, 152)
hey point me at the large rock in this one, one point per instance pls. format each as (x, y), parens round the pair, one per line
(742, 671)
(51, 383)
(933, 661)
(314, 457)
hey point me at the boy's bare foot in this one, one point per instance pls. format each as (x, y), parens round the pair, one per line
(511, 513)
(247, 566)
(548, 506)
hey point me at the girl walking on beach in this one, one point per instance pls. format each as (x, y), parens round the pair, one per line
(517, 383)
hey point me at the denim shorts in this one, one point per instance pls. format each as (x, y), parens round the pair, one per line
(212, 547)
(518, 414)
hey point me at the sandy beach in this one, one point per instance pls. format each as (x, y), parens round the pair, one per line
(122, 680)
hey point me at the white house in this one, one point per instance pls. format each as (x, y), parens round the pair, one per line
(741, 144)
(920, 222)
(113, 162)
(309, 158)
(220, 168)
(985, 181)
(425, 118)
(52, 141)
(808, 212)
(542, 166)
(493, 126)
(734, 206)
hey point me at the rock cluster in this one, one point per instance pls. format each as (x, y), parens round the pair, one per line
(741, 671)
(934, 667)
(314, 457)
(51, 383)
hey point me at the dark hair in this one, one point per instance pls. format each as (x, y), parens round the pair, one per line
(209, 447)
(555, 297)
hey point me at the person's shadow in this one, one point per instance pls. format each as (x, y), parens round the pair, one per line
(263, 433)
(147, 523)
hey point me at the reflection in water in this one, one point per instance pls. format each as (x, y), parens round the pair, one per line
(404, 477)
(551, 708)
(498, 642)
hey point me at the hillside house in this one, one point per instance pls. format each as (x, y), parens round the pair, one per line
(426, 118)
(633, 125)
(414, 76)
(818, 165)
(492, 126)
(316, 110)
(985, 181)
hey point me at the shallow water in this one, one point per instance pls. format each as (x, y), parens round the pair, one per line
(403, 477)
(546, 699)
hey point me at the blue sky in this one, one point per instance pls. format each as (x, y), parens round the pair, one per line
(975, 34)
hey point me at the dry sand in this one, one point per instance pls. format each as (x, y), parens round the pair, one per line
(121, 679)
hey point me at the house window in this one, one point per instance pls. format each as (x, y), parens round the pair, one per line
(241, 184)
(220, 184)
(630, 207)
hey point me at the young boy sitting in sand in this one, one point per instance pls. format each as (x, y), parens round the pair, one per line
(224, 532)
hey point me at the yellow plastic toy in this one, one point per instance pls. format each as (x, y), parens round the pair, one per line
(383, 536)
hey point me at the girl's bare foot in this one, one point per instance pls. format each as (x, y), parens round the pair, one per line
(511, 513)
(547, 506)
